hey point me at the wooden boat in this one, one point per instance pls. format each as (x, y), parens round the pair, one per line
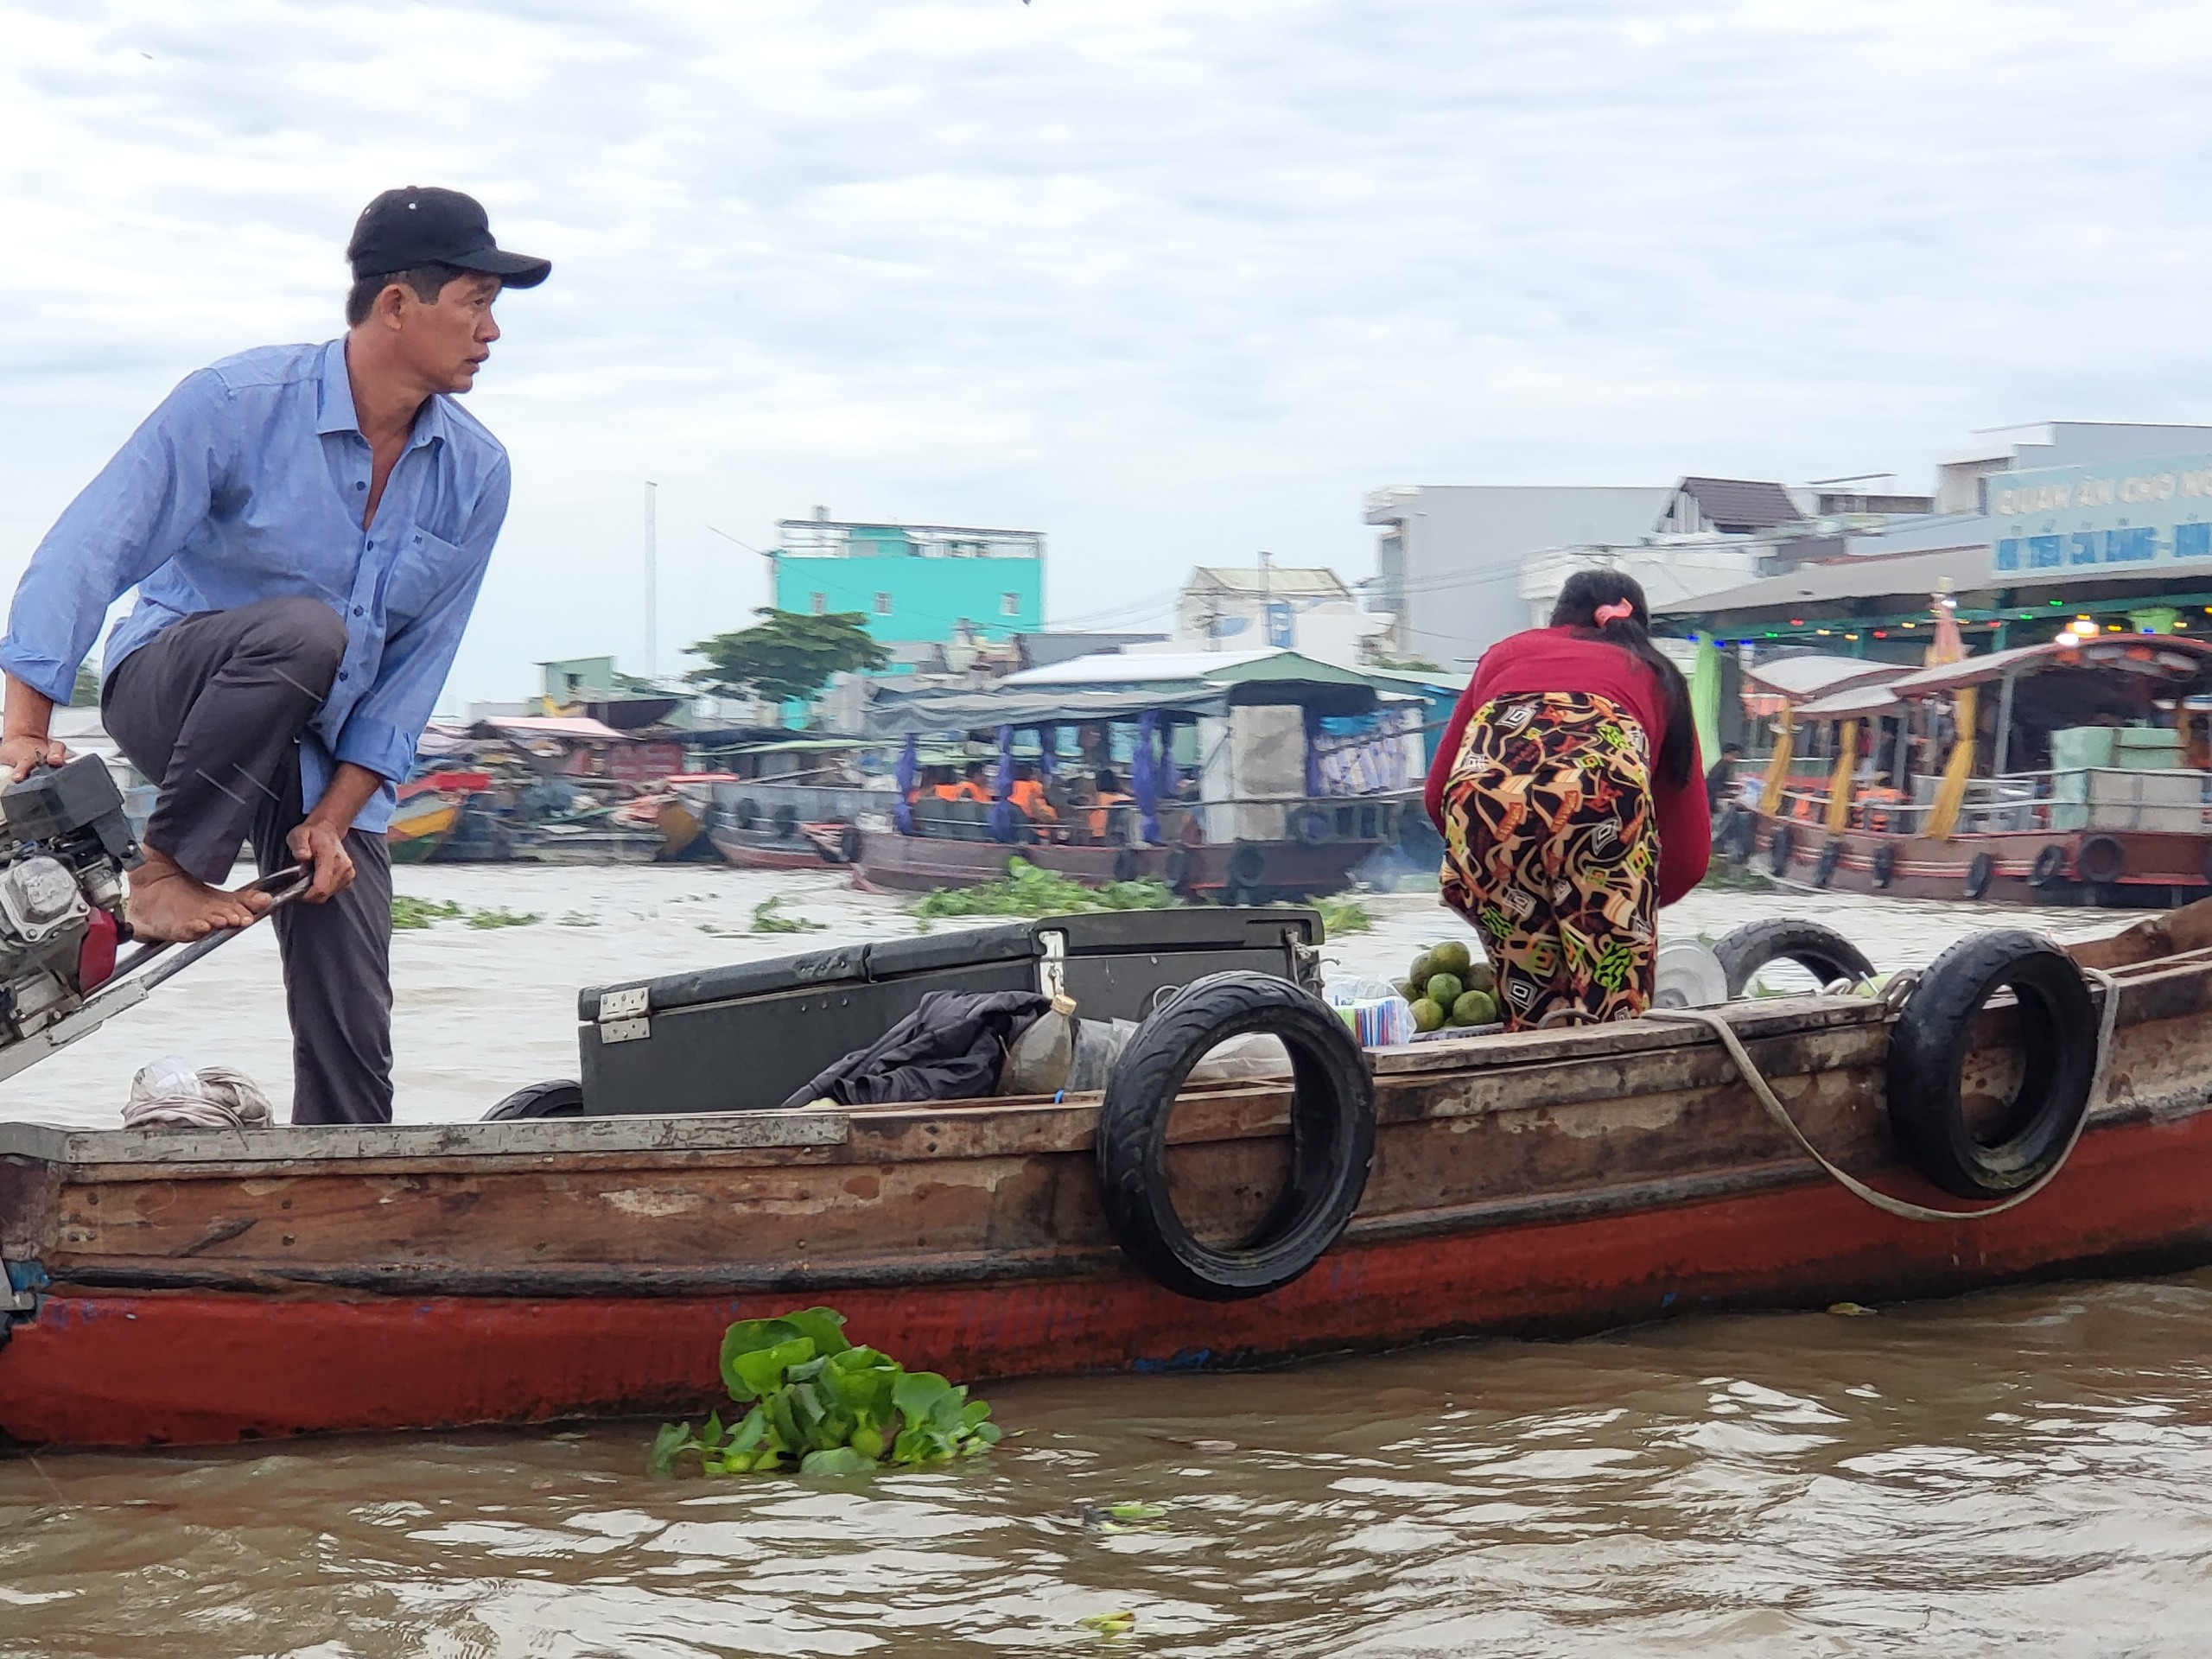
(1256, 825)
(770, 825)
(2112, 819)
(427, 812)
(1234, 872)
(205, 1286)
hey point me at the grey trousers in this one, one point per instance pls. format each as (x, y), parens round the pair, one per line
(213, 708)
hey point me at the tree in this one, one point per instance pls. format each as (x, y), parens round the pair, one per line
(87, 692)
(792, 655)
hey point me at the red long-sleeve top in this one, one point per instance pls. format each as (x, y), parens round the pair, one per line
(1560, 659)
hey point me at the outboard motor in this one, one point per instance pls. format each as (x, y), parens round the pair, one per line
(65, 843)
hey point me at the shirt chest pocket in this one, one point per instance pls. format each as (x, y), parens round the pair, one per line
(423, 569)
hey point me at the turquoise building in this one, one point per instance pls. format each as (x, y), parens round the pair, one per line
(932, 584)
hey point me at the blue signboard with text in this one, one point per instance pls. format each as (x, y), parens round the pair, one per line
(2130, 514)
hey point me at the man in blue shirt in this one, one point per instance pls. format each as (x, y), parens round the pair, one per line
(306, 527)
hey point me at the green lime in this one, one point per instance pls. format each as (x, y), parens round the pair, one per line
(1444, 990)
(1422, 968)
(1428, 1015)
(1474, 1008)
(1450, 957)
(1481, 976)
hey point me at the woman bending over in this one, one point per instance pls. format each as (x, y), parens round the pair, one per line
(1572, 802)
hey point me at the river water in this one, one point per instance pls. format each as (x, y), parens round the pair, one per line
(2021, 1472)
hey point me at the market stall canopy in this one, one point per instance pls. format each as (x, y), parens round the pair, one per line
(580, 729)
(1814, 674)
(2183, 665)
(1854, 702)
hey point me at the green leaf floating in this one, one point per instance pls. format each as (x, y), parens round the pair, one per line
(825, 1403)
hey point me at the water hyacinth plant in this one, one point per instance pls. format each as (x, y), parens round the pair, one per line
(819, 1401)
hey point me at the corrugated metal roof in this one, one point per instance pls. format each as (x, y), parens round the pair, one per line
(1901, 575)
(1742, 504)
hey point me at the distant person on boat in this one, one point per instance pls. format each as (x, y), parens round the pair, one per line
(1028, 795)
(1571, 802)
(1106, 794)
(972, 787)
(306, 527)
(1720, 782)
(942, 784)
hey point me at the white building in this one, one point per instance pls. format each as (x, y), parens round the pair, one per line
(1306, 608)
(1959, 486)
(1451, 557)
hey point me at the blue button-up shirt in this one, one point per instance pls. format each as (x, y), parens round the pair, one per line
(249, 482)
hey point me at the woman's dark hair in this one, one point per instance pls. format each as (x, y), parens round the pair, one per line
(1588, 592)
(1106, 783)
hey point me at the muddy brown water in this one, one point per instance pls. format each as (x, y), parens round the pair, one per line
(2020, 1471)
(2023, 1471)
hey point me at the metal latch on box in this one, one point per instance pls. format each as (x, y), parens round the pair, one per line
(623, 1014)
(1052, 971)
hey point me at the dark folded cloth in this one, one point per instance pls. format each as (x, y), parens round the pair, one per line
(950, 1048)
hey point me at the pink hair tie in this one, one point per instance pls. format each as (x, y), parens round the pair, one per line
(1619, 611)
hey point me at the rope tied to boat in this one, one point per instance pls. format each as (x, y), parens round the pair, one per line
(1892, 998)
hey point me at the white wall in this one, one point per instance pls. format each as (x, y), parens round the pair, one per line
(1452, 555)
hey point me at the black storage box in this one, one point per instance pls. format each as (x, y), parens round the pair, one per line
(743, 1038)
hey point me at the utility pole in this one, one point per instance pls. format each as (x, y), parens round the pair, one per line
(652, 576)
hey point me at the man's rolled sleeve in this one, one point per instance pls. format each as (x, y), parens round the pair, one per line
(386, 725)
(126, 524)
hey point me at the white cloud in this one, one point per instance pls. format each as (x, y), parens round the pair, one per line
(1170, 281)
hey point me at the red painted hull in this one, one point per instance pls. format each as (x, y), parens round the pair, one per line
(102, 1368)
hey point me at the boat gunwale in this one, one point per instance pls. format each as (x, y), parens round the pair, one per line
(818, 1136)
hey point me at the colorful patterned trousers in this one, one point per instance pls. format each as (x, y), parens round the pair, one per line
(1550, 851)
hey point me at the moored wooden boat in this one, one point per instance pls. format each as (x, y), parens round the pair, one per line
(2105, 813)
(427, 811)
(204, 1285)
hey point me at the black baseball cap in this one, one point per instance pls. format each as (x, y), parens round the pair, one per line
(422, 224)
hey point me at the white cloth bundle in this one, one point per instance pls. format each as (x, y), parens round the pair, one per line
(169, 1094)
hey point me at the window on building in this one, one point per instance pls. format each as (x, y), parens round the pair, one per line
(1009, 604)
(883, 604)
(821, 604)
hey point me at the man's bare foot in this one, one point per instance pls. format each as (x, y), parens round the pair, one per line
(167, 904)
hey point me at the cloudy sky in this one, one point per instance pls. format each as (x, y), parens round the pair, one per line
(1171, 280)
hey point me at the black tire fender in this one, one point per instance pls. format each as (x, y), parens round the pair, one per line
(1125, 863)
(1885, 864)
(1247, 865)
(1331, 1136)
(1981, 869)
(748, 813)
(848, 844)
(1824, 865)
(1821, 951)
(1779, 846)
(1176, 868)
(557, 1098)
(2050, 868)
(1929, 1047)
(2101, 859)
(786, 823)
